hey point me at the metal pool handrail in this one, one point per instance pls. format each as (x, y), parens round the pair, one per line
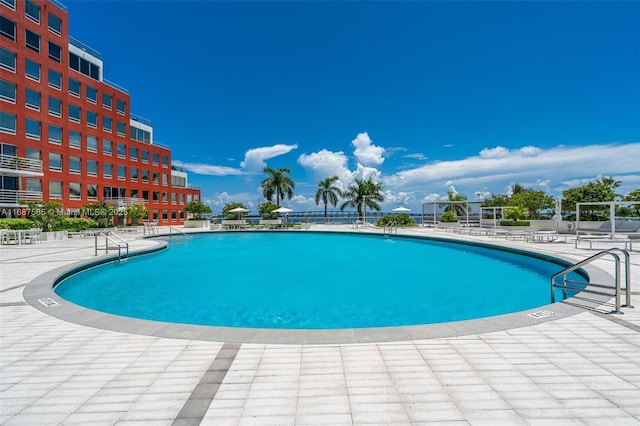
(571, 284)
(118, 241)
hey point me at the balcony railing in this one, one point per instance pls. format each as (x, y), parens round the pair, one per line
(14, 196)
(85, 47)
(20, 164)
(123, 201)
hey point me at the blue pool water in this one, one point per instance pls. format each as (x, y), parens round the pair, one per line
(313, 280)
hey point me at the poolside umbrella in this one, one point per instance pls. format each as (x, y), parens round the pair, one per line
(238, 210)
(401, 209)
(282, 210)
(558, 212)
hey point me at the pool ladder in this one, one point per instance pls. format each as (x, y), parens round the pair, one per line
(574, 285)
(114, 238)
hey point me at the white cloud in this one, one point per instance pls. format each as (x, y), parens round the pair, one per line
(497, 152)
(431, 198)
(254, 159)
(208, 169)
(366, 152)
(417, 156)
(325, 164)
(366, 173)
(500, 166)
(219, 199)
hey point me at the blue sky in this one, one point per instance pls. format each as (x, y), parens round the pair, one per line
(421, 96)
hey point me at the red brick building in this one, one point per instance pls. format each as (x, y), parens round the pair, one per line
(66, 133)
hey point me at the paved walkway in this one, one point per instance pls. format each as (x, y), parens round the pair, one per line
(579, 370)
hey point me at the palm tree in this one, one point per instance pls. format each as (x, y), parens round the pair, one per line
(278, 184)
(363, 194)
(456, 209)
(328, 193)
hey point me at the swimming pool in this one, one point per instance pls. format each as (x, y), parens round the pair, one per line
(292, 280)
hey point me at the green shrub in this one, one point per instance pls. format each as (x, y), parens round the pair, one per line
(515, 223)
(17, 224)
(448, 216)
(73, 224)
(397, 220)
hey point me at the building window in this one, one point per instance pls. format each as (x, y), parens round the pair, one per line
(75, 191)
(134, 193)
(75, 139)
(154, 158)
(120, 106)
(55, 24)
(32, 99)
(134, 174)
(55, 107)
(7, 59)
(140, 135)
(55, 79)
(32, 69)
(55, 134)
(133, 153)
(55, 162)
(75, 165)
(55, 189)
(92, 167)
(32, 40)
(155, 177)
(174, 215)
(122, 173)
(107, 147)
(74, 87)
(92, 94)
(174, 198)
(32, 11)
(11, 4)
(121, 128)
(155, 215)
(92, 119)
(7, 123)
(33, 185)
(107, 170)
(165, 179)
(7, 91)
(107, 101)
(107, 124)
(92, 192)
(165, 215)
(121, 150)
(55, 52)
(145, 156)
(145, 196)
(83, 66)
(7, 28)
(145, 176)
(33, 154)
(165, 198)
(156, 197)
(74, 113)
(33, 128)
(92, 143)
(178, 181)
(165, 161)
(181, 199)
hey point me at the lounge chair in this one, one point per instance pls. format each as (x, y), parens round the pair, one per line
(605, 233)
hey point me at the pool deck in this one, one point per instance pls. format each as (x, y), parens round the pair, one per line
(580, 367)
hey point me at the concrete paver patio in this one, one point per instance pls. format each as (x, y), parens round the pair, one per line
(581, 369)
